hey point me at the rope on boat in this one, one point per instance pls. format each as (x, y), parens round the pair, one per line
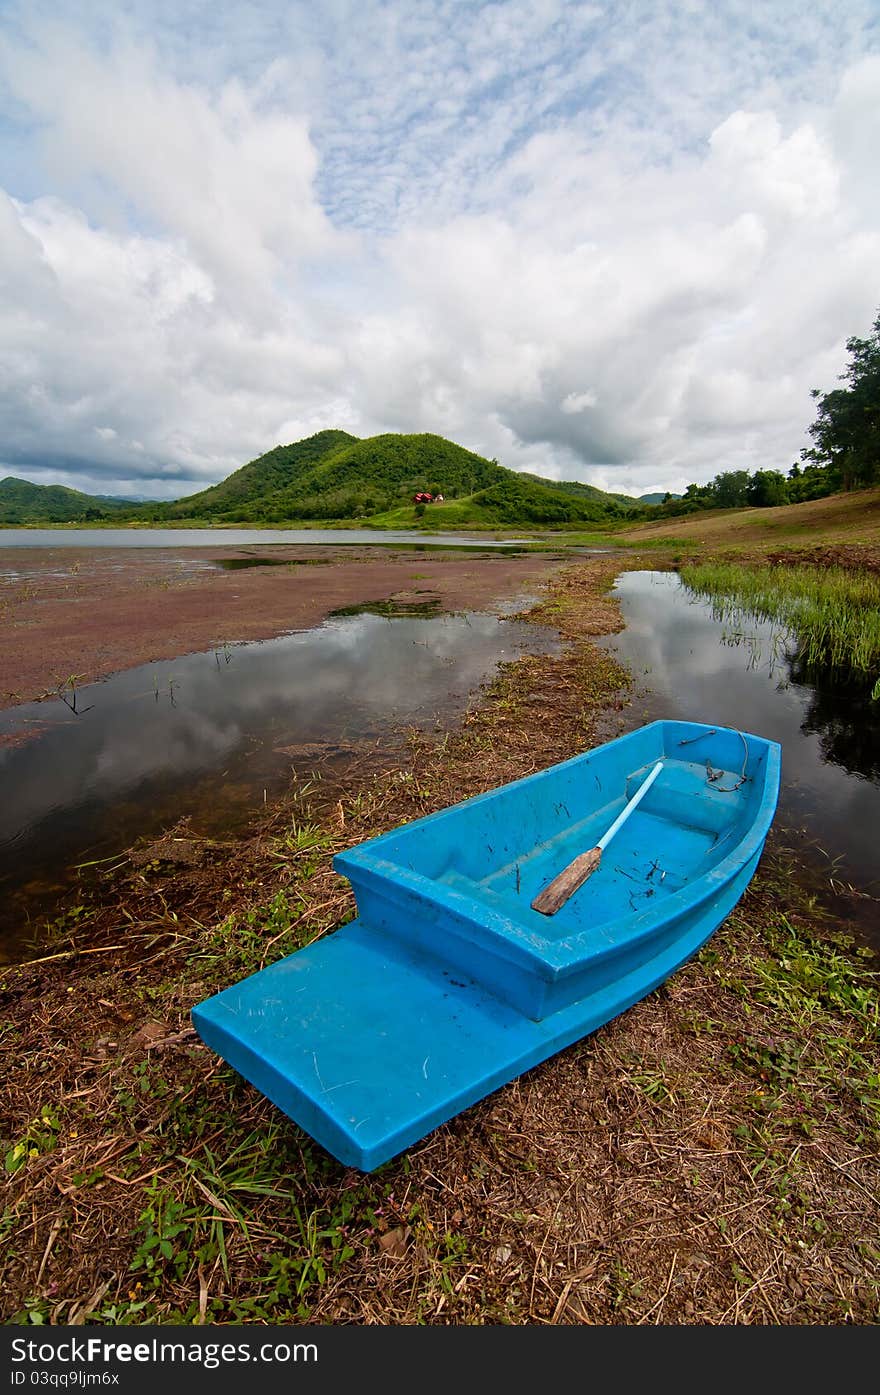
(714, 775)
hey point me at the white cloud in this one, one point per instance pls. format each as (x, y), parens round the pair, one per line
(234, 184)
(794, 177)
(616, 250)
(578, 401)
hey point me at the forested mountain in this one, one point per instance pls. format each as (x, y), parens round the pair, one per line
(259, 479)
(335, 476)
(582, 491)
(24, 502)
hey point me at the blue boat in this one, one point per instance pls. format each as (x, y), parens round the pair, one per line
(496, 932)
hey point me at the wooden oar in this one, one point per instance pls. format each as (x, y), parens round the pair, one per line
(585, 864)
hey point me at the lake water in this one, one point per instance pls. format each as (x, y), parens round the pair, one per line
(206, 734)
(238, 537)
(212, 735)
(747, 676)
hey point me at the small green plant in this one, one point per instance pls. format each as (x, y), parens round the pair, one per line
(652, 1084)
(624, 1287)
(303, 836)
(41, 1137)
(167, 1228)
(35, 1313)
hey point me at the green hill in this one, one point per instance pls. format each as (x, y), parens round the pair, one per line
(337, 477)
(24, 502)
(526, 499)
(242, 491)
(509, 500)
(334, 475)
(581, 491)
(380, 473)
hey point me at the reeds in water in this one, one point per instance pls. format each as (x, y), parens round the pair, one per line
(832, 613)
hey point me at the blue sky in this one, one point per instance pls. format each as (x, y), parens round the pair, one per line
(615, 242)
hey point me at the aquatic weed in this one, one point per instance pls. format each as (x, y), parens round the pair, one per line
(833, 613)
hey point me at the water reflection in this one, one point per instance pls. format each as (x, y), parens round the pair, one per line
(235, 537)
(843, 716)
(746, 675)
(206, 734)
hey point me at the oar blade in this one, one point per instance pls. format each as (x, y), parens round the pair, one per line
(566, 884)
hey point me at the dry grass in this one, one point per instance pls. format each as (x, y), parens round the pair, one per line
(709, 1157)
(840, 520)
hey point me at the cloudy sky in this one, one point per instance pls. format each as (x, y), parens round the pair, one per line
(616, 241)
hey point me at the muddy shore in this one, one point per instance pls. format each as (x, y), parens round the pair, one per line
(90, 612)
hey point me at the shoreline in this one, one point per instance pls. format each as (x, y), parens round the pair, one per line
(100, 611)
(708, 1157)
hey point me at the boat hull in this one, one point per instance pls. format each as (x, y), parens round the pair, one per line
(373, 1036)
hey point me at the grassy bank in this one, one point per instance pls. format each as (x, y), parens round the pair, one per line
(708, 1157)
(840, 520)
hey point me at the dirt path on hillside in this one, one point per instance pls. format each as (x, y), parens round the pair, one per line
(90, 612)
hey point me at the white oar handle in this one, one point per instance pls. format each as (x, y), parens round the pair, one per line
(584, 865)
(625, 813)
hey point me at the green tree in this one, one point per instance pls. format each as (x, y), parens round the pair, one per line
(846, 432)
(811, 482)
(731, 489)
(695, 492)
(767, 488)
